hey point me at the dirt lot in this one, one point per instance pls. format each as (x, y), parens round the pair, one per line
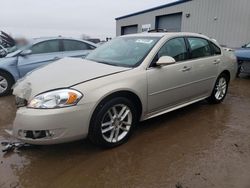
(201, 146)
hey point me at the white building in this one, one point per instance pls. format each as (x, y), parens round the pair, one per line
(227, 21)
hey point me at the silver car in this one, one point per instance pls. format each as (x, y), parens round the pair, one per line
(36, 53)
(129, 79)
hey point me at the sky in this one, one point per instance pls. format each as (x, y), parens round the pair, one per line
(71, 18)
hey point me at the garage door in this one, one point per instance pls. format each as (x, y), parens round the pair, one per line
(129, 29)
(170, 22)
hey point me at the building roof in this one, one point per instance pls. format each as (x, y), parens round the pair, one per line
(155, 8)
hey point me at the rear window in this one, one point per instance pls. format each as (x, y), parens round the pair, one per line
(73, 45)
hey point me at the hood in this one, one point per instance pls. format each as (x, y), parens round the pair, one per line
(60, 74)
(243, 54)
(7, 61)
(13, 54)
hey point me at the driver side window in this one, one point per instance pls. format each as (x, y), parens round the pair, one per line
(175, 48)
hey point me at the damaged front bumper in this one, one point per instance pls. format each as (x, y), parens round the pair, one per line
(51, 126)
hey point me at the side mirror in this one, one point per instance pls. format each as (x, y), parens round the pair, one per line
(26, 52)
(165, 60)
(244, 46)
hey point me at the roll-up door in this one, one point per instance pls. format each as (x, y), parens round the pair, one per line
(170, 22)
(129, 29)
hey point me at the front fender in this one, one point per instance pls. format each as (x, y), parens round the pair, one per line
(96, 90)
(9, 65)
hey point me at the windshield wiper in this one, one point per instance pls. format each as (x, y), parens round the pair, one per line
(107, 63)
(112, 64)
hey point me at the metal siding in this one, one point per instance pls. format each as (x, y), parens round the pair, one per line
(155, 8)
(231, 27)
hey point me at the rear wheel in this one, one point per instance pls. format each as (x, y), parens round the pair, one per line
(6, 83)
(220, 89)
(113, 122)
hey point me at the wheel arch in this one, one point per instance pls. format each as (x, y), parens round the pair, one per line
(227, 73)
(8, 73)
(122, 93)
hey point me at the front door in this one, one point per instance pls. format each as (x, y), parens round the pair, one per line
(170, 85)
(41, 54)
(74, 48)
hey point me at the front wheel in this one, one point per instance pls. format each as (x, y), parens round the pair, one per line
(6, 83)
(113, 122)
(220, 89)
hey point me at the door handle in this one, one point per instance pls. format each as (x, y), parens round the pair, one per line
(217, 61)
(56, 58)
(185, 69)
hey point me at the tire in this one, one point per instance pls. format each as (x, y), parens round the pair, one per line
(107, 128)
(220, 89)
(6, 83)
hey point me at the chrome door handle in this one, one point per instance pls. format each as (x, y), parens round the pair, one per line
(185, 69)
(217, 61)
(56, 58)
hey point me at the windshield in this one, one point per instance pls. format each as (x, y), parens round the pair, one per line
(124, 51)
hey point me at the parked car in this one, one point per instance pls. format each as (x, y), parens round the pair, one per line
(129, 79)
(38, 52)
(243, 57)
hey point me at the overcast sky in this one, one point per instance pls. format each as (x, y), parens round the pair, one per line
(96, 18)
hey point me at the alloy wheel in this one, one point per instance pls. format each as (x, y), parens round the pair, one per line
(221, 88)
(116, 123)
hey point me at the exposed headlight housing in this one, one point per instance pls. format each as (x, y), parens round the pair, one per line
(55, 99)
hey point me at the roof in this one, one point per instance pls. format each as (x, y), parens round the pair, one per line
(167, 34)
(145, 34)
(155, 8)
(41, 39)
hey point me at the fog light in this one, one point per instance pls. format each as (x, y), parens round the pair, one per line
(35, 134)
(21, 133)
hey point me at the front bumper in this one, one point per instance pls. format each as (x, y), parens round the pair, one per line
(51, 126)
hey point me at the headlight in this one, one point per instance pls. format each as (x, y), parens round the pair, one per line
(56, 99)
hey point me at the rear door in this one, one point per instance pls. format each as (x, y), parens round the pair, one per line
(206, 58)
(75, 48)
(42, 53)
